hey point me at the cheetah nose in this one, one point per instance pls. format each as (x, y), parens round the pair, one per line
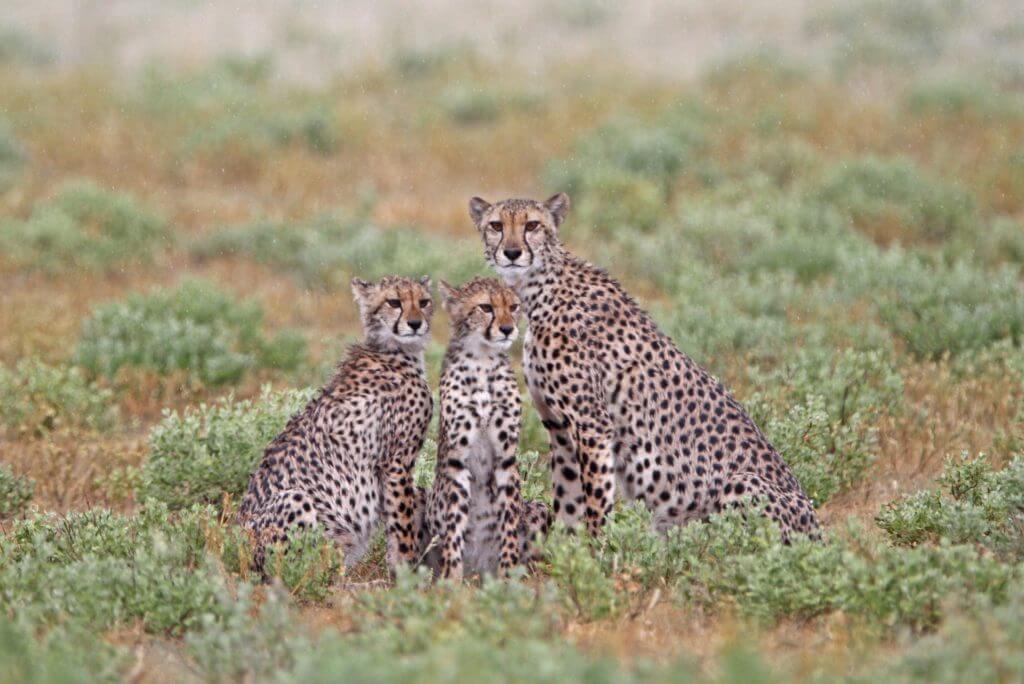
(513, 254)
(415, 325)
(506, 330)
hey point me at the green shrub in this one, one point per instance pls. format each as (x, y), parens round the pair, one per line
(884, 35)
(195, 328)
(981, 645)
(961, 96)
(18, 47)
(12, 157)
(732, 557)
(875, 191)
(974, 504)
(829, 432)
(738, 557)
(467, 105)
(622, 174)
(240, 642)
(202, 454)
(414, 615)
(229, 84)
(15, 492)
(953, 309)
(327, 251)
(259, 134)
(85, 227)
(771, 234)
(63, 655)
(36, 398)
(105, 570)
(307, 564)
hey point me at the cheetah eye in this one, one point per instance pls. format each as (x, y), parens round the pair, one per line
(424, 303)
(395, 303)
(496, 226)
(514, 308)
(486, 308)
(532, 225)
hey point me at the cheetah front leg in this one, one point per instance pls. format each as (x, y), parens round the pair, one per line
(567, 499)
(399, 512)
(582, 463)
(454, 501)
(510, 504)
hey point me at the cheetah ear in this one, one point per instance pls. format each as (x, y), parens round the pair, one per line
(558, 205)
(425, 282)
(448, 294)
(361, 289)
(477, 208)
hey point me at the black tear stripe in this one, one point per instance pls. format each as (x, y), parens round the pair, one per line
(487, 330)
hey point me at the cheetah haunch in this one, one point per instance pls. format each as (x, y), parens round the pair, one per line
(625, 409)
(346, 461)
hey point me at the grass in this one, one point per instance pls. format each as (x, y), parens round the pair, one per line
(838, 235)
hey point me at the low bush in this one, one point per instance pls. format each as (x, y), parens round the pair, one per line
(829, 431)
(18, 47)
(254, 135)
(974, 504)
(883, 35)
(738, 557)
(12, 157)
(957, 97)
(892, 198)
(66, 654)
(196, 328)
(327, 251)
(622, 174)
(939, 309)
(467, 105)
(15, 492)
(36, 398)
(203, 454)
(85, 227)
(982, 645)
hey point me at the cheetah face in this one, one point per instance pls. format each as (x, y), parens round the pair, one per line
(484, 313)
(395, 311)
(518, 232)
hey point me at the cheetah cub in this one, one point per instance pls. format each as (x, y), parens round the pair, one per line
(345, 462)
(475, 509)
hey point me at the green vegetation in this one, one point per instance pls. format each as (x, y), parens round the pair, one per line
(36, 398)
(195, 328)
(893, 195)
(85, 227)
(15, 492)
(823, 205)
(974, 504)
(203, 454)
(327, 251)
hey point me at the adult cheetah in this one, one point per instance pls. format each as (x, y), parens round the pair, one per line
(474, 518)
(624, 407)
(346, 460)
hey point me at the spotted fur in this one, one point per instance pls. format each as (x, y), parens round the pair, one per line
(474, 519)
(627, 412)
(345, 462)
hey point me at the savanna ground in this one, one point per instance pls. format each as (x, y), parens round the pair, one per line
(824, 204)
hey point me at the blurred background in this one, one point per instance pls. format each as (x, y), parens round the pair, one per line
(822, 202)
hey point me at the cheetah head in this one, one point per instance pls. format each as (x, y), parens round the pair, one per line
(395, 310)
(484, 313)
(518, 233)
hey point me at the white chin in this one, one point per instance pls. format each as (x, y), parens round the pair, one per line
(410, 340)
(509, 272)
